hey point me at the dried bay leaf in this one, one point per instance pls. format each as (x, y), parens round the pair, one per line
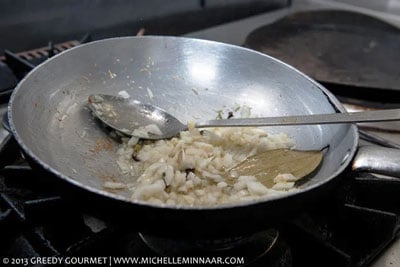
(267, 165)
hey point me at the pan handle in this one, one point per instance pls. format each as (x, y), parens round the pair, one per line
(375, 159)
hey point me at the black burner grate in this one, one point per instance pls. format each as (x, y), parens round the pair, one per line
(14, 66)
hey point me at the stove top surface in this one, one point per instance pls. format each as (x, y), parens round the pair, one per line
(352, 229)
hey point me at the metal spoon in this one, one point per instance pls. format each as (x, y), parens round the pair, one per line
(146, 121)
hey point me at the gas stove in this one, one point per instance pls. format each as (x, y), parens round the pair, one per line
(356, 226)
(350, 229)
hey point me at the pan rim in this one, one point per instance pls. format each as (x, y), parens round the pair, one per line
(331, 98)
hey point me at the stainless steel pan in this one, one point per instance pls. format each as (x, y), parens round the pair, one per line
(189, 78)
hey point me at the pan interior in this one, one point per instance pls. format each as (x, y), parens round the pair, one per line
(191, 79)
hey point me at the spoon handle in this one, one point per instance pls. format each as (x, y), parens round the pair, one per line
(332, 118)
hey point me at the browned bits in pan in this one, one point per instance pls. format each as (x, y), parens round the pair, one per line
(102, 144)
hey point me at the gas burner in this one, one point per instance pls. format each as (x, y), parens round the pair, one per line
(251, 248)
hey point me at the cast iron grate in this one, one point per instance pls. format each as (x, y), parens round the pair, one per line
(14, 66)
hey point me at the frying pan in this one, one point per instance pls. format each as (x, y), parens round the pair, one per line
(190, 79)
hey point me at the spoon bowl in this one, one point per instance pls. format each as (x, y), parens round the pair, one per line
(134, 118)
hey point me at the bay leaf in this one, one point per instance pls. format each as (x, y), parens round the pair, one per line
(267, 165)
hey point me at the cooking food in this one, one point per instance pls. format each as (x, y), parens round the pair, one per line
(203, 167)
(194, 169)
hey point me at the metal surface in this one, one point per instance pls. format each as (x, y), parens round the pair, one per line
(377, 139)
(378, 160)
(318, 43)
(50, 122)
(130, 117)
(3, 131)
(127, 115)
(251, 247)
(334, 118)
